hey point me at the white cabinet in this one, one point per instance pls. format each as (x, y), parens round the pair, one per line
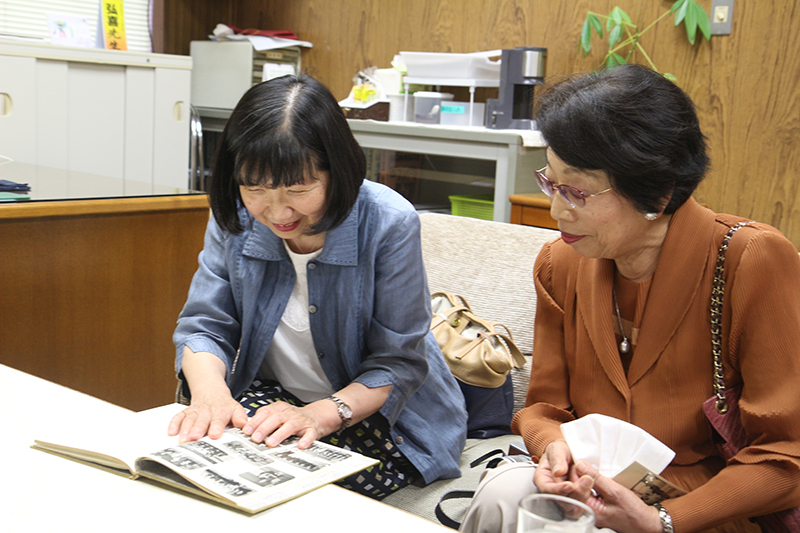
(119, 114)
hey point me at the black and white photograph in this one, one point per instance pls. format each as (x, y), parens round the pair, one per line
(247, 453)
(295, 459)
(207, 451)
(333, 455)
(267, 477)
(179, 459)
(229, 486)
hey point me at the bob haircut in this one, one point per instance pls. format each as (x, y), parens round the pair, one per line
(634, 124)
(279, 134)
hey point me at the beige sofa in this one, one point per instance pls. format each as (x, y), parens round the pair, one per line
(491, 265)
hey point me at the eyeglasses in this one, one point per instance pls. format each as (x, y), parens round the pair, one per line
(576, 198)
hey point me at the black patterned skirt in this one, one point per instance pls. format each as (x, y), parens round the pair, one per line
(370, 437)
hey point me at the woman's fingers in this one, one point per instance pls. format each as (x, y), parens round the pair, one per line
(202, 418)
(274, 423)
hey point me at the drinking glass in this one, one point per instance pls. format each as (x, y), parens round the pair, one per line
(550, 512)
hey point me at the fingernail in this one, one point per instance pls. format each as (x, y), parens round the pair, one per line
(257, 437)
(247, 430)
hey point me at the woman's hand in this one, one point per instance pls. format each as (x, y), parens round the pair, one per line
(556, 473)
(208, 414)
(617, 507)
(273, 423)
(277, 421)
(212, 407)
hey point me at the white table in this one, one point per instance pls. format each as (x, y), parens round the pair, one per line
(43, 492)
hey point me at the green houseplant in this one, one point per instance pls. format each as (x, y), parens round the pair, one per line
(623, 35)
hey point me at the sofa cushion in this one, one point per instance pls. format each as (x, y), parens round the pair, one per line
(491, 265)
(488, 263)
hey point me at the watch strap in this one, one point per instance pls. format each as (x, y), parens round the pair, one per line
(666, 519)
(344, 411)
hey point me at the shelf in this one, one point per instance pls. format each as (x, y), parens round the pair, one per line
(452, 82)
(436, 175)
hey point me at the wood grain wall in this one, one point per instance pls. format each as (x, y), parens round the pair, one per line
(745, 85)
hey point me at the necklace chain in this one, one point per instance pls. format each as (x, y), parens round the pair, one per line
(311, 247)
(624, 346)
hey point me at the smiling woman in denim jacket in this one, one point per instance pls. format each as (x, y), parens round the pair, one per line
(309, 314)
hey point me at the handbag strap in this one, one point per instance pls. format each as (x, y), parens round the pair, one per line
(717, 297)
(446, 315)
(517, 358)
(452, 298)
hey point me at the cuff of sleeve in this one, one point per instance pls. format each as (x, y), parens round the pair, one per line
(396, 401)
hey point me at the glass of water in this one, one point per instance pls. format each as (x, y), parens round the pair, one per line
(550, 512)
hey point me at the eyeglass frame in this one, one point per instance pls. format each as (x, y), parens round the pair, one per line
(543, 182)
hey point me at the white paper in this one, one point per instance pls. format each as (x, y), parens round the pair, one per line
(275, 70)
(222, 32)
(262, 43)
(611, 445)
(69, 30)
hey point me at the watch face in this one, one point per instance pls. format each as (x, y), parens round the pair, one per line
(346, 411)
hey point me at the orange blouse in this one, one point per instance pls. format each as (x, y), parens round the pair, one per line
(577, 369)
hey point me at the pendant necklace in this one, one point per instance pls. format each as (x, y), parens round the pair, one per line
(624, 346)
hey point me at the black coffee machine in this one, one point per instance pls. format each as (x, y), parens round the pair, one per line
(521, 69)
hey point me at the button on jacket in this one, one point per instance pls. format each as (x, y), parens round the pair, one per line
(370, 320)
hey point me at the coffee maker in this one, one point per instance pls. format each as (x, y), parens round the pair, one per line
(521, 69)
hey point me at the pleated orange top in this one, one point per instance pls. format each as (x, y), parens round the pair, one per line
(577, 368)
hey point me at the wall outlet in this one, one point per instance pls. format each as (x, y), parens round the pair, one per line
(721, 17)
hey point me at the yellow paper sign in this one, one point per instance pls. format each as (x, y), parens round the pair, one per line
(113, 20)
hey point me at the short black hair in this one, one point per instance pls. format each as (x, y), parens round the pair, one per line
(279, 133)
(632, 123)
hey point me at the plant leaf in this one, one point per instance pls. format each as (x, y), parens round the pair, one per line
(586, 36)
(676, 6)
(670, 77)
(619, 59)
(681, 12)
(595, 22)
(703, 21)
(613, 36)
(691, 22)
(616, 17)
(611, 61)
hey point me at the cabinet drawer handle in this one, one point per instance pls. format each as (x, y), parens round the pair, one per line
(177, 111)
(5, 104)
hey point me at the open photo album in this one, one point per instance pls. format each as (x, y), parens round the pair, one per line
(232, 470)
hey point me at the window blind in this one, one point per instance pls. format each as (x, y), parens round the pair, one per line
(29, 18)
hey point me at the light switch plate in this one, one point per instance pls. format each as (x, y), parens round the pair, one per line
(721, 17)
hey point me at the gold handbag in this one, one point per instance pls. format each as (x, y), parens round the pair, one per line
(475, 351)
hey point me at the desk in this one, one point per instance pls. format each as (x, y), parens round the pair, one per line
(516, 153)
(43, 492)
(94, 272)
(532, 209)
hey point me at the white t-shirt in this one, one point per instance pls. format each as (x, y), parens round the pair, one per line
(291, 358)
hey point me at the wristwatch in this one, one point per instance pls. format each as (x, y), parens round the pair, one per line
(666, 519)
(345, 413)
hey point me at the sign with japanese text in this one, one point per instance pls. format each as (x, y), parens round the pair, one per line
(111, 25)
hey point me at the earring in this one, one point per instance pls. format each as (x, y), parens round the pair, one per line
(651, 216)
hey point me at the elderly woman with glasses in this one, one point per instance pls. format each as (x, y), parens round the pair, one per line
(623, 322)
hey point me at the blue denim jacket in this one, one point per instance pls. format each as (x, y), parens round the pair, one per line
(369, 311)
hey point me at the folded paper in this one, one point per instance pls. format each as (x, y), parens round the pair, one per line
(610, 445)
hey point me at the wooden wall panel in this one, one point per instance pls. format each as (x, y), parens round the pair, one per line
(745, 85)
(179, 22)
(90, 301)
